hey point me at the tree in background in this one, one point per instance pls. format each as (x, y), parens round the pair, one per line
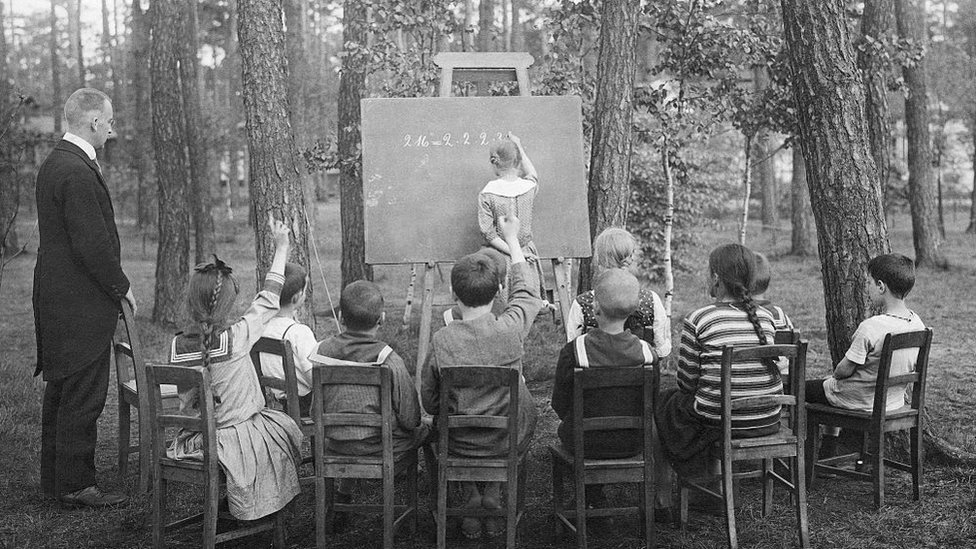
(275, 185)
(172, 170)
(608, 190)
(874, 61)
(799, 206)
(56, 67)
(486, 25)
(197, 143)
(844, 187)
(926, 233)
(9, 189)
(140, 149)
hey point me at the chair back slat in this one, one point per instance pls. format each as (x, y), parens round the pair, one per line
(587, 380)
(921, 340)
(289, 385)
(612, 423)
(786, 337)
(479, 422)
(759, 401)
(186, 378)
(609, 378)
(352, 420)
(357, 375)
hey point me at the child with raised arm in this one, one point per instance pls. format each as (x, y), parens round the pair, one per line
(616, 248)
(852, 384)
(257, 447)
(480, 337)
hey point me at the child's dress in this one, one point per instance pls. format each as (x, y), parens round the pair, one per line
(257, 447)
(500, 198)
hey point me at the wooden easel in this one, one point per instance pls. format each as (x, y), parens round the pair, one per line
(482, 69)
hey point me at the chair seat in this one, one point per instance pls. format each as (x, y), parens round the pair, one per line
(778, 439)
(826, 409)
(563, 454)
(167, 391)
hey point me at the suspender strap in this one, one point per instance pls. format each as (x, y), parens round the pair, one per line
(648, 353)
(329, 361)
(582, 360)
(285, 333)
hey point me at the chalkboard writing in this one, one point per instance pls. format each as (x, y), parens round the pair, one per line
(426, 159)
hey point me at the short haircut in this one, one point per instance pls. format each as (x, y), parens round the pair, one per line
(499, 259)
(361, 305)
(613, 248)
(82, 103)
(896, 271)
(295, 279)
(762, 275)
(475, 279)
(617, 292)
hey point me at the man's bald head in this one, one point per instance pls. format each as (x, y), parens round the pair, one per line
(617, 293)
(83, 107)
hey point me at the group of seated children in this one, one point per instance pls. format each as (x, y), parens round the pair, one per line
(259, 447)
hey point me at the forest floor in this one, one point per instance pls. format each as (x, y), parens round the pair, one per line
(841, 513)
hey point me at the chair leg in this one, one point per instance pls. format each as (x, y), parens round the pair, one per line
(511, 508)
(558, 495)
(328, 513)
(280, 534)
(124, 424)
(916, 462)
(321, 506)
(580, 489)
(210, 514)
(767, 508)
(728, 495)
(812, 448)
(647, 511)
(878, 474)
(388, 512)
(800, 494)
(412, 502)
(159, 513)
(145, 454)
(682, 505)
(441, 519)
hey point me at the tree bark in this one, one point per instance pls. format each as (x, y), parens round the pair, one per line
(877, 24)
(9, 189)
(800, 207)
(666, 258)
(74, 13)
(486, 25)
(762, 162)
(926, 237)
(139, 151)
(971, 228)
(844, 187)
(467, 36)
(746, 190)
(507, 25)
(299, 73)
(518, 33)
(56, 101)
(608, 190)
(172, 170)
(274, 183)
(204, 238)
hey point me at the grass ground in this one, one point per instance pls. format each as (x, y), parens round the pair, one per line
(840, 512)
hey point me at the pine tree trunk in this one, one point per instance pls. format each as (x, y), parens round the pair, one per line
(298, 75)
(608, 190)
(909, 15)
(204, 238)
(172, 170)
(352, 86)
(467, 39)
(844, 187)
(762, 162)
(518, 33)
(74, 13)
(274, 184)
(507, 24)
(56, 100)
(877, 24)
(486, 25)
(139, 150)
(800, 207)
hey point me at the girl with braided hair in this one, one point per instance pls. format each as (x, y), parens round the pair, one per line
(257, 447)
(688, 417)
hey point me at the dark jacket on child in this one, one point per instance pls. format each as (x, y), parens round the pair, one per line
(601, 349)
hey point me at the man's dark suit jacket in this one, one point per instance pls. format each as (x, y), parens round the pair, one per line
(78, 278)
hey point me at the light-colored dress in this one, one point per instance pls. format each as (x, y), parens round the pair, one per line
(500, 198)
(257, 447)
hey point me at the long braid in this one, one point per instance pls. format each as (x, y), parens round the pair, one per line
(207, 326)
(750, 307)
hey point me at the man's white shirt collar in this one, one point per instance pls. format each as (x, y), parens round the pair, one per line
(82, 144)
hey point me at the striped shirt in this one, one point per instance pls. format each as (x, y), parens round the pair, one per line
(704, 333)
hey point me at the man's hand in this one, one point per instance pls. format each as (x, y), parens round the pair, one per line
(131, 298)
(508, 227)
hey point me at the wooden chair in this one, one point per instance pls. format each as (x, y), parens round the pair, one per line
(289, 386)
(130, 373)
(638, 469)
(206, 473)
(788, 444)
(875, 424)
(329, 466)
(508, 468)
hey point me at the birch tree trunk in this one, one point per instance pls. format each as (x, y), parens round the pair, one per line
(746, 191)
(668, 228)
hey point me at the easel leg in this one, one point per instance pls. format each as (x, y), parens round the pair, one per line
(408, 308)
(427, 309)
(561, 269)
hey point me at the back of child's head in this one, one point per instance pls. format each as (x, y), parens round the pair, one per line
(896, 271)
(735, 267)
(762, 276)
(210, 301)
(614, 249)
(617, 293)
(499, 259)
(504, 154)
(475, 279)
(295, 279)
(361, 305)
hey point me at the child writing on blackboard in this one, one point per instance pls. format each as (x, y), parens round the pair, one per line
(512, 193)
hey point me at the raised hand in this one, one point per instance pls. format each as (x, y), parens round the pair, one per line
(279, 231)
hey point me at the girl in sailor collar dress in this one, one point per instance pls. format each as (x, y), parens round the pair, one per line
(511, 193)
(257, 447)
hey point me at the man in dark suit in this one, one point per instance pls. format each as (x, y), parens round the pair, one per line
(78, 287)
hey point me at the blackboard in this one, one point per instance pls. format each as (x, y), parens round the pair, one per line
(426, 159)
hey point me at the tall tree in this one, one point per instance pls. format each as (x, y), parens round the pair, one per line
(926, 235)
(275, 185)
(518, 33)
(844, 188)
(877, 24)
(55, 69)
(486, 25)
(352, 86)
(172, 170)
(298, 77)
(204, 238)
(608, 189)
(139, 151)
(9, 190)
(800, 207)
(74, 25)
(762, 160)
